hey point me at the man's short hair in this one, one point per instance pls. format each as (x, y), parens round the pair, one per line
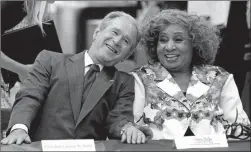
(110, 17)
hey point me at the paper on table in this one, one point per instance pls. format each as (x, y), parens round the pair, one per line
(207, 141)
(68, 145)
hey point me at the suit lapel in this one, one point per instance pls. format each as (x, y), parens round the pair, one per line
(102, 83)
(197, 86)
(75, 70)
(169, 85)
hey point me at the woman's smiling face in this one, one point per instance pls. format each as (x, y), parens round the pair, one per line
(174, 48)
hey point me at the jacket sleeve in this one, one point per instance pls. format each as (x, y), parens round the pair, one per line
(33, 92)
(139, 100)
(231, 104)
(122, 113)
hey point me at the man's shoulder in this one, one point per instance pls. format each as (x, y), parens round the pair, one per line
(46, 54)
(51, 54)
(123, 76)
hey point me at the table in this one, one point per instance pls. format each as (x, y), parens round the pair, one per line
(151, 145)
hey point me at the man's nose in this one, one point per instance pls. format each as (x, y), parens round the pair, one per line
(117, 40)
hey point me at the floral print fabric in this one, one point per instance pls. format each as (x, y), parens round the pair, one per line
(168, 112)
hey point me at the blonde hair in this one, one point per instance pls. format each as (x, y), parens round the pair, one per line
(37, 11)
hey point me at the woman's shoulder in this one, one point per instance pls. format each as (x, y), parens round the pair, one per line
(209, 73)
(213, 68)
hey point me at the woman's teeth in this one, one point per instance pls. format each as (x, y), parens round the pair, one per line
(171, 57)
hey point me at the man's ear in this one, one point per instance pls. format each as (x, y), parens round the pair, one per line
(95, 34)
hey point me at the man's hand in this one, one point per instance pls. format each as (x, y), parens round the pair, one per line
(17, 136)
(133, 135)
(147, 131)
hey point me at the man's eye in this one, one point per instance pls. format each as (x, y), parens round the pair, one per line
(126, 41)
(114, 32)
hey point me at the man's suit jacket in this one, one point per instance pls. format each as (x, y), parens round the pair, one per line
(50, 100)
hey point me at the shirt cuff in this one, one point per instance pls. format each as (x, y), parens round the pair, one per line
(19, 126)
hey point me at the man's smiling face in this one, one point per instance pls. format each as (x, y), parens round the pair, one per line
(114, 42)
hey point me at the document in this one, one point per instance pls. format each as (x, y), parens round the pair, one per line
(208, 141)
(69, 145)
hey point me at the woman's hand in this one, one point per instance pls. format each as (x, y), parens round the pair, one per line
(23, 72)
(132, 135)
(14, 66)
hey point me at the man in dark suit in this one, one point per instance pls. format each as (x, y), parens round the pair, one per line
(60, 99)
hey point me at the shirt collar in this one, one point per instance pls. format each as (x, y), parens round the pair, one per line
(89, 61)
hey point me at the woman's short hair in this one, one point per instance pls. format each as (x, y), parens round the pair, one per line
(110, 17)
(204, 36)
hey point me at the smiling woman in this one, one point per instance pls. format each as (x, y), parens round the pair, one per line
(174, 49)
(180, 92)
